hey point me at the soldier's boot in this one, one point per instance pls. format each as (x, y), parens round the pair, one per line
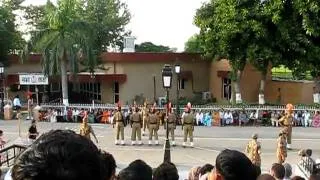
(133, 143)
(157, 143)
(140, 143)
(116, 142)
(289, 146)
(184, 144)
(191, 144)
(173, 143)
(122, 142)
(150, 143)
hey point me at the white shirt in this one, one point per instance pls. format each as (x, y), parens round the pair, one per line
(75, 112)
(16, 102)
(306, 116)
(228, 116)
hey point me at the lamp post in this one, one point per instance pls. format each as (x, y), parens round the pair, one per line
(167, 79)
(177, 70)
(3, 88)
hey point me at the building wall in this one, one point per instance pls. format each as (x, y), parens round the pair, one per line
(140, 80)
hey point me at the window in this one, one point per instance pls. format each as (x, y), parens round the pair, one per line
(116, 92)
(226, 88)
(182, 84)
(91, 90)
(55, 87)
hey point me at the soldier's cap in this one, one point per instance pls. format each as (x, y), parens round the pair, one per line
(255, 136)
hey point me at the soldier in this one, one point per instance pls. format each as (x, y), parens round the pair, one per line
(171, 120)
(286, 123)
(144, 117)
(281, 147)
(188, 122)
(86, 129)
(153, 125)
(118, 120)
(253, 150)
(136, 124)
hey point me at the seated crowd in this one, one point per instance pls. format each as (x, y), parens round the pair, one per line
(63, 154)
(202, 118)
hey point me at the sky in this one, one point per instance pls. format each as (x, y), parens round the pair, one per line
(163, 22)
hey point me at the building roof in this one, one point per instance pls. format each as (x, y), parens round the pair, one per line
(131, 57)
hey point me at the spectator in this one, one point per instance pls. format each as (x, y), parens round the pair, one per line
(60, 155)
(277, 171)
(194, 173)
(166, 171)
(227, 118)
(274, 118)
(298, 178)
(207, 168)
(110, 163)
(265, 177)
(243, 118)
(306, 119)
(33, 132)
(17, 103)
(2, 141)
(234, 165)
(137, 170)
(314, 177)
(288, 171)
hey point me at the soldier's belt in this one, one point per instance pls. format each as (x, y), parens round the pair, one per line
(187, 123)
(136, 121)
(119, 121)
(153, 123)
(170, 122)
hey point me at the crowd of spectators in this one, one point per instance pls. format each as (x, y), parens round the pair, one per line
(63, 154)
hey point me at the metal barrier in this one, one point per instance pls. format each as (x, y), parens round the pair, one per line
(8, 154)
(308, 166)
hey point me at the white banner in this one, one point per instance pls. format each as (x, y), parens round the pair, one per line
(33, 79)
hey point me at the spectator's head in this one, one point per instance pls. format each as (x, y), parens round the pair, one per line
(288, 170)
(277, 171)
(255, 136)
(166, 171)
(60, 155)
(133, 171)
(265, 177)
(297, 178)
(1, 132)
(231, 164)
(205, 169)
(110, 163)
(314, 177)
(194, 173)
(309, 152)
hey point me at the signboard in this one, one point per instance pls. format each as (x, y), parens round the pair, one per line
(33, 79)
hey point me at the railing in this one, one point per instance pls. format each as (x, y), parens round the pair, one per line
(308, 166)
(8, 154)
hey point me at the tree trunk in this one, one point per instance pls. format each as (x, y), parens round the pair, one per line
(64, 81)
(237, 87)
(262, 87)
(316, 91)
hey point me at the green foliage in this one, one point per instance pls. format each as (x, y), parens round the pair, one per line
(193, 45)
(150, 47)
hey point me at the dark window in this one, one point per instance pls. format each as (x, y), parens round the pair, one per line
(182, 84)
(226, 88)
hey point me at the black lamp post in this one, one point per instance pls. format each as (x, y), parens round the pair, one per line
(167, 80)
(3, 88)
(177, 70)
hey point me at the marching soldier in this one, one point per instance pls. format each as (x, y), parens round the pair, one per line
(171, 120)
(281, 147)
(136, 124)
(286, 123)
(153, 125)
(144, 116)
(118, 120)
(86, 129)
(253, 150)
(188, 122)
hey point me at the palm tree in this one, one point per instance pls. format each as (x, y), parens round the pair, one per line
(64, 43)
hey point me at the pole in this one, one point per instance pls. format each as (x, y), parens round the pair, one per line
(167, 153)
(177, 104)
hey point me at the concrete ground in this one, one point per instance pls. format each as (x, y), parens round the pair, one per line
(209, 141)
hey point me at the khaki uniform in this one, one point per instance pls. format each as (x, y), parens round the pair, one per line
(144, 118)
(118, 121)
(253, 151)
(136, 123)
(286, 122)
(281, 149)
(172, 124)
(85, 130)
(154, 123)
(188, 120)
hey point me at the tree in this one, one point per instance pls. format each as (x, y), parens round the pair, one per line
(150, 47)
(63, 43)
(193, 45)
(227, 28)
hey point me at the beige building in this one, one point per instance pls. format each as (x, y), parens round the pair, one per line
(126, 76)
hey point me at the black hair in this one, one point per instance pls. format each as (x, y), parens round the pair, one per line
(234, 165)
(110, 163)
(166, 171)
(1, 132)
(278, 170)
(137, 170)
(309, 152)
(205, 169)
(265, 177)
(60, 155)
(297, 178)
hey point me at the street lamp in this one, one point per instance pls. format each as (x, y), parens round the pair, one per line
(167, 80)
(177, 69)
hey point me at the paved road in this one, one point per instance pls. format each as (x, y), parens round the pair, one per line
(208, 142)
